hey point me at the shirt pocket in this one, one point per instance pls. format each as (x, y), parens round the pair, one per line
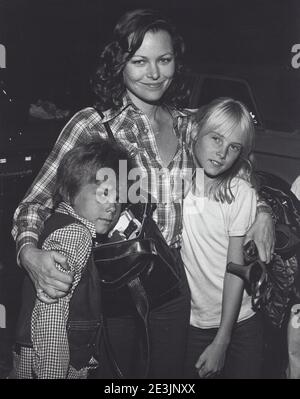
(129, 142)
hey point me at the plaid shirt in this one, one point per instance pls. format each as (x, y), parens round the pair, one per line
(131, 128)
(49, 357)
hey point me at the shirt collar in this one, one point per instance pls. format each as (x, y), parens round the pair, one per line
(113, 113)
(63, 207)
(127, 103)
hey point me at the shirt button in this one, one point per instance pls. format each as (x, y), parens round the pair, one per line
(146, 130)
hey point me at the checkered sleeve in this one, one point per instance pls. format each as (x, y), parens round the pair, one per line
(37, 203)
(48, 325)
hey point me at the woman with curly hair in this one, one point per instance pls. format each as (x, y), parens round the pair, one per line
(139, 88)
(108, 83)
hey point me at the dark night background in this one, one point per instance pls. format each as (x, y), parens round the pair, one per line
(52, 48)
(52, 45)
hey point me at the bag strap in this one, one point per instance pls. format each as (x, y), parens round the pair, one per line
(141, 302)
(139, 298)
(107, 127)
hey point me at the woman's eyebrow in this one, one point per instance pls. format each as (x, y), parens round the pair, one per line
(161, 55)
(167, 53)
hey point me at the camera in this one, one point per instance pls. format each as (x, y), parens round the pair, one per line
(127, 227)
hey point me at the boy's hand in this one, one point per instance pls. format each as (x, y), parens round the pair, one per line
(49, 282)
(211, 361)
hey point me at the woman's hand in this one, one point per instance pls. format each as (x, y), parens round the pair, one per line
(49, 282)
(262, 232)
(211, 361)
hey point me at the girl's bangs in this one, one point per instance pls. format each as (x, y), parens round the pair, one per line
(221, 123)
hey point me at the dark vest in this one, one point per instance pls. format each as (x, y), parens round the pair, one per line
(83, 325)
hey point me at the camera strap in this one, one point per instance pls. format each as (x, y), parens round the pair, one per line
(107, 127)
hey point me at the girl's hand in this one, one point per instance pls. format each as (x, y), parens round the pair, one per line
(263, 233)
(211, 361)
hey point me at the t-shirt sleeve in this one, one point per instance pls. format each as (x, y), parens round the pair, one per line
(296, 187)
(241, 212)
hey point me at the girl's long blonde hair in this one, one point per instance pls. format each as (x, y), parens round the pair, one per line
(224, 115)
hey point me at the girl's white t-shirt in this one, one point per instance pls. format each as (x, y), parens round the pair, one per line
(296, 187)
(207, 226)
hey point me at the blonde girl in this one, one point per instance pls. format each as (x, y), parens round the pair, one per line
(225, 335)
